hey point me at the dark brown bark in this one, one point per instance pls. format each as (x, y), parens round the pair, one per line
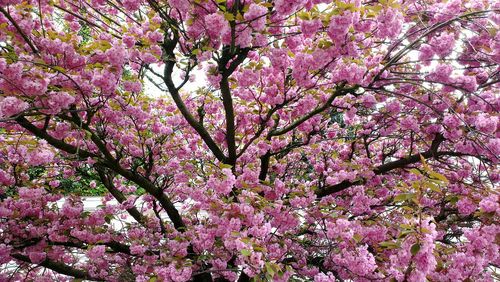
(59, 268)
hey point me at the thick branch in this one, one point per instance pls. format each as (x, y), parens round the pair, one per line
(145, 183)
(227, 100)
(264, 165)
(168, 48)
(111, 164)
(108, 183)
(312, 113)
(387, 167)
(18, 28)
(59, 268)
(431, 29)
(59, 144)
(113, 245)
(164, 201)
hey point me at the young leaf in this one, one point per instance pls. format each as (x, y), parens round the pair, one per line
(415, 248)
(246, 252)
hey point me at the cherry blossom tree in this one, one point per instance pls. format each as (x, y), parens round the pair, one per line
(250, 140)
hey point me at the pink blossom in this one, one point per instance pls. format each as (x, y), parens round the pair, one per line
(339, 26)
(489, 204)
(131, 5)
(132, 86)
(442, 73)
(106, 80)
(409, 123)
(58, 101)
(180, 5)
(494, 146)
(4, 253)
(129, 41)
(389, 23)
(244, 38)
(486, 123)
(5, 178)
(310, 27)
(297, 149)
(451, 121)
(286, 7)
(466, 206)
(40, 157)
(10, 106)
(137, 250)
(322, 277)
(172, 273)
(426, 53)
(13, 71)
(96, 252)
(117, 55)
(3, 64)
(37, 257)
(443, 44)
(35, 87)
(352, 73)
(256, 15)
(216, 25)
(368, 100)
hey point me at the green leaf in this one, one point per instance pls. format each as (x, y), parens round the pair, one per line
(303, 15)
(226, 166)
(375, 8)
(404, 233)
(239, 17)
(246, 240)
(258, 248)
(425, 230)
(357, 237)
(415, 248)
(406, 226)
(452, 199)
(246, 252)
(108, 218)
(269, 269)
(229, 17)
(434, 187)
(438, 176)
(59, 69)
(403, 197)
(415, 171)
(389, 244)
(324, 44)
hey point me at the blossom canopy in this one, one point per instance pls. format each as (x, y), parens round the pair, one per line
(250, 140)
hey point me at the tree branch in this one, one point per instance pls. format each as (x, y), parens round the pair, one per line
(18, 28)
(59, 144)
(314, 112)
(110, 163)
(169, 60)
(227, 99)
(107, 181)
(59, 267)
(433, 28)
(387, 167)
